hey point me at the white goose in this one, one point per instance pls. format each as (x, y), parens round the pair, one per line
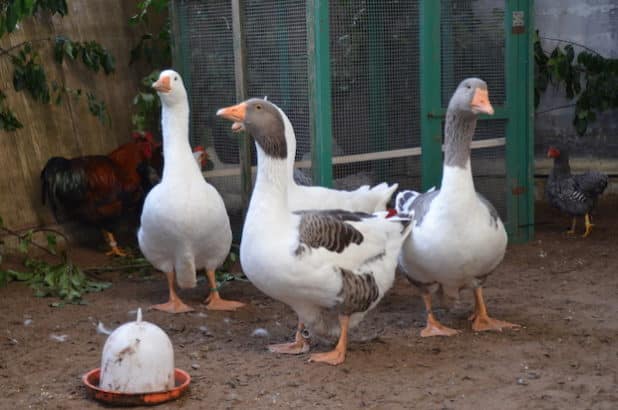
(362, 199)
(458, 238)
(184, 225)
(326, 265)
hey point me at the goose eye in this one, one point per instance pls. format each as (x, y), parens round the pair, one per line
(175, 78)
(258, 107)
(468, 86)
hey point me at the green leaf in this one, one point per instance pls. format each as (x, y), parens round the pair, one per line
(21, 276)
(109, 64)
(51, 242)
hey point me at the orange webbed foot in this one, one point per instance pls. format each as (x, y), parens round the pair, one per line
(486, 323)
(435, 328)
(334, 357)
(295, 347)
(215, 302)
(173, 306)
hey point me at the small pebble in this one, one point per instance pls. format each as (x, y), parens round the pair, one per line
(27, 322)
(59, 338)
(195, 366)
(533, 376)
(521, 381)
(260, 332)
(232, 397)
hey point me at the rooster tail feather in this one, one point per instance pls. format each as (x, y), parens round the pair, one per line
(62, 184)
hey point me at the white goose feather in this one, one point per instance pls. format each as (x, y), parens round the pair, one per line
(458, 238)
(184, 224)
(282, 262)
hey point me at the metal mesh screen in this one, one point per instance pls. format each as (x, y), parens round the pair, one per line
(205, 32)
(375, 90)
(276, 40)
(473, 45)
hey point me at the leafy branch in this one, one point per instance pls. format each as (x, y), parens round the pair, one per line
(590, 79)
(29, 74)
(64, 279)
(154, 48)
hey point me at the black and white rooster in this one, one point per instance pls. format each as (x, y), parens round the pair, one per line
(575, 195)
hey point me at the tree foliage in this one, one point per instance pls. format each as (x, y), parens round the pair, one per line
(29, 70)
(588, 78)
(154, 50)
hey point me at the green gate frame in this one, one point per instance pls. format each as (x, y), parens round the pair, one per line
(518, 111)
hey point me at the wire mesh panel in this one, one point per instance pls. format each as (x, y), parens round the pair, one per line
(276, 42)
(375, 91)
(473, 45)
(375, 83)
(207, 53)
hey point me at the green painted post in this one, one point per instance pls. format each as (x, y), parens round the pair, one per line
(240, 74)
(377, 102)
(528, 174)
(512, 133)
(431, 124)
(320, 101)
(520, 132)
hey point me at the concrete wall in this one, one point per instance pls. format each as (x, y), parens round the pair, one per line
(594, 24)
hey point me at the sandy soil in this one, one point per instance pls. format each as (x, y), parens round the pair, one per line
(563, 290)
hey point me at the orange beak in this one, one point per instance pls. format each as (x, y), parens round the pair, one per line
(480, 102)
(162, 85)
(234, 113)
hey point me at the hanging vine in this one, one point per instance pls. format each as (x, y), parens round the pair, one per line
(589, 79)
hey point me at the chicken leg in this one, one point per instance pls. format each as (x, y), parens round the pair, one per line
(214, 300)
(111, 241)
(573, 224)
(301, 344)
(481, 320)
(589, 225)
(434, 328)
(174, 305)
(337, 355)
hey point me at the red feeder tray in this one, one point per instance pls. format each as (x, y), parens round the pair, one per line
(91, 380)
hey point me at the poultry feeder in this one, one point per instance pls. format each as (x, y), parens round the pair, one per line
(137, 367)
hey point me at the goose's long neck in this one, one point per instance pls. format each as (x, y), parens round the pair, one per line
(271, 186)
(458, 133)
(179, 161)
(291, 146)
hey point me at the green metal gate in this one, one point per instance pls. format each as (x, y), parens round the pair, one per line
(462, 38)
(365, 84)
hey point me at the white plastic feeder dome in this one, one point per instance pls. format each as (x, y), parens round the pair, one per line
(138, 357)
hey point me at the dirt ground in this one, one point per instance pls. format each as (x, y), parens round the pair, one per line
(563, 291)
